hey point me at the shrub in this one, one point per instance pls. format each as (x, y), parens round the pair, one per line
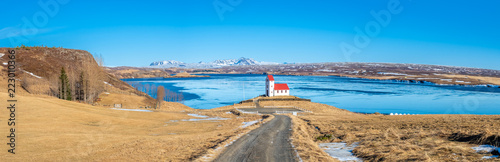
(324, 137)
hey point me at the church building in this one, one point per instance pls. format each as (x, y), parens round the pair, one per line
(278, 89)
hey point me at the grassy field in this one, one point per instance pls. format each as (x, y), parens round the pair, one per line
(50, 129)
(393, 138)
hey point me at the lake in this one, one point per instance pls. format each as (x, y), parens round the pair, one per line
(353, 94)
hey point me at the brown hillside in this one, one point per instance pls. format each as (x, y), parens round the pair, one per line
(47, 63)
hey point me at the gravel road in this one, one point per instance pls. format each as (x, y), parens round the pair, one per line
(269, 142)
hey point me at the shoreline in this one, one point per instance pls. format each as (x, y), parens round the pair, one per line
(388, 78)
(192, 76)
(396, 79)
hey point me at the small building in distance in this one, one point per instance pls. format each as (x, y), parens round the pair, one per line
(273, 89)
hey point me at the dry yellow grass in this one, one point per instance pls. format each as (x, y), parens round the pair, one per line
(132, 101)
(307, 149)
(394, 138)
(185, 75)
(422, 137)
(438, 79)
(316, 108)
(491, 80)
(126, 71)
(50, 129)
(35, 85)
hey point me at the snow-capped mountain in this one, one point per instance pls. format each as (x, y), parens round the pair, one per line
(165, 63)
(213, 64)
(240, 61)
(245, 61)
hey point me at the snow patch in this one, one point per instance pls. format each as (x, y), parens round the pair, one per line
(5, 63)
(340, 151)
(490, 157)
(459, 81)
(325, 70)
(198, 116)
(426, 78)
(296, 153)
(486, 149)
(214, 118)
(401, 114)
(107, 83)
(36, 76)
(247, 124)
(386, 73)
(204, 118)
(2, 54)
(132, 110)
(171, 121)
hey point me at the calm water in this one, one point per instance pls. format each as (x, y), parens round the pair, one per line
(358, 95)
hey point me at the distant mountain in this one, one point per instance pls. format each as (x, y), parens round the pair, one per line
(213, 64)
(232, 62)
(165, 63)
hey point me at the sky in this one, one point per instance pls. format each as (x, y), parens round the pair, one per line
(136, 33)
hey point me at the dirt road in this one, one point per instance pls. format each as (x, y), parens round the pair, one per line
(270, 142)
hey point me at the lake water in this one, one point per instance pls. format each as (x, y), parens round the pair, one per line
(357, 95)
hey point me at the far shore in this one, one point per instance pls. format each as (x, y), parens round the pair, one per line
(444, 79)
(192, 76)
(186, 75)
(438, 79)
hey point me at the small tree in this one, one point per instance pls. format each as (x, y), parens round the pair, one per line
(79, 88)
(65, 90)
(160, 94)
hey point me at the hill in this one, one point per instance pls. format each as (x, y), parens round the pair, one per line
(38, 70)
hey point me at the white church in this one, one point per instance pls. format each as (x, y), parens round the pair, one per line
(273, 89)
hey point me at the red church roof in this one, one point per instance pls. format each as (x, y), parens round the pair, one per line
(281, 87)
(271, 78)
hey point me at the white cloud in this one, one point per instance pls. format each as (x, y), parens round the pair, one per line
(16, 31)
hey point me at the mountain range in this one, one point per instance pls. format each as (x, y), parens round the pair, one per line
(214, 64)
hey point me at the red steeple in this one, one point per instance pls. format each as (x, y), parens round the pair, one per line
(270, 77)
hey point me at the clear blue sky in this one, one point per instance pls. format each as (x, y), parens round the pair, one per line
(136, 33)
